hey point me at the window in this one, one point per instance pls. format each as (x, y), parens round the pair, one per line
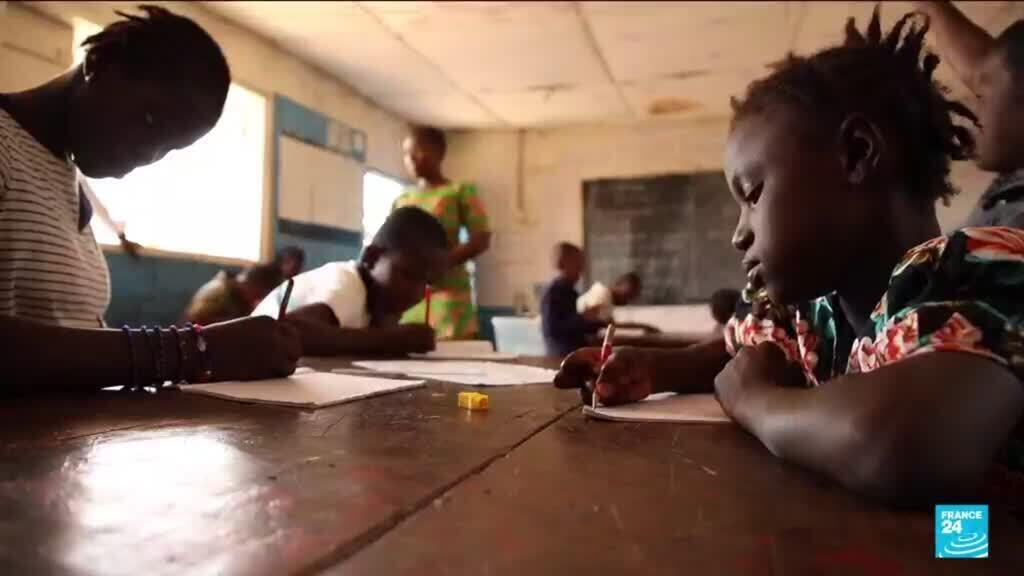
(205, 199)
(379, 194)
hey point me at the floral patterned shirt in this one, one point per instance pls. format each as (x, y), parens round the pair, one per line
(963, 292)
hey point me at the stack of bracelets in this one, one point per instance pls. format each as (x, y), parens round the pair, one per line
(187, 345)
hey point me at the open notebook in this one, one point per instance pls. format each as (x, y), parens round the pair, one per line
(664, 407)
(304, 389)
(465, 350)
(463, 372)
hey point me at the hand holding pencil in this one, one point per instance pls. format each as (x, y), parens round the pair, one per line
(610, 376)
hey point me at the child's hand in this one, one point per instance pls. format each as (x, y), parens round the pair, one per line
(416, 338)
(630, 375)
(761, 366)
(252, 348)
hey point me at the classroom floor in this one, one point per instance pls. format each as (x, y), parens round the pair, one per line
(408, 483)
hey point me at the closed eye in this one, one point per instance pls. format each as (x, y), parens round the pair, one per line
(754, 194)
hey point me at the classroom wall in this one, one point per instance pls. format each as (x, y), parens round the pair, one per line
(549, 179)
(35, 45)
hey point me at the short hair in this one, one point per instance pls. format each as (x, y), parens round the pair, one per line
(1011, 43)
(164, 47)
(723, 304)
(411, 229)
(432, 137)
(266, 276)
(293, 252)
(632, 278)
(563, 250)
(887, 79)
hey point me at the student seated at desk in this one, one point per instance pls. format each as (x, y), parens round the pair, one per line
(354, 307)
(149, 84)
(230, 295)
(565, 329)
(878, 352)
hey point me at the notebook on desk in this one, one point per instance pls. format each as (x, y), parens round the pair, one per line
(664, 407)
(305, 389)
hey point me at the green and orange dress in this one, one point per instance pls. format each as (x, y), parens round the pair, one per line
(456, 206)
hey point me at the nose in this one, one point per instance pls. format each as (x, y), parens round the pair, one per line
(743, 237)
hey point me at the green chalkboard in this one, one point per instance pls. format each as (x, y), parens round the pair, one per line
(674, 230)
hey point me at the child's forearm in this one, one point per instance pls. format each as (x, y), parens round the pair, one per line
(923, 428)
(692, 369)
(41, 357)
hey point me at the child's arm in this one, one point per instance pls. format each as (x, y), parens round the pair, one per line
(40, 357)
(632, 374)
(321, 336)
(964, 44)
(917, 430)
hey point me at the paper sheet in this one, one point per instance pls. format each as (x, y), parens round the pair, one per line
(305, 389)
(464, 372)
(465, 350)
(664, 407)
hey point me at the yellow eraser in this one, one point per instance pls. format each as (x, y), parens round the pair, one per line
(472, 400)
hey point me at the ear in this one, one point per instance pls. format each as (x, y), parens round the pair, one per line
(861, 146)
(371, 254)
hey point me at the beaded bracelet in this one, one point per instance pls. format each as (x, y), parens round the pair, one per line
(180, 344)
(133, 376)
(162, 374)
(205, 362)
(152, 356)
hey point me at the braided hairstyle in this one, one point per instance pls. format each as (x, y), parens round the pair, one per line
(887, 78)
(161, 46)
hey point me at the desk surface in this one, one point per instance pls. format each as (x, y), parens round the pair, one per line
(408, 484)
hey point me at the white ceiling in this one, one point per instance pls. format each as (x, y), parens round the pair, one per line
(530, 64)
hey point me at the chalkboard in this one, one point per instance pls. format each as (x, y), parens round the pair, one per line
(674, 230)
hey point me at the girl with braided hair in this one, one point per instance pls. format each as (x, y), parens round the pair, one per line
(882, 355)
(150, 83)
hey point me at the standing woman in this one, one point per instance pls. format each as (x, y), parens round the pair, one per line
(149, 84)
(457, 206)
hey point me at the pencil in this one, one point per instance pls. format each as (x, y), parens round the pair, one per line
(427, 298)
(606, 352)
(284, 301)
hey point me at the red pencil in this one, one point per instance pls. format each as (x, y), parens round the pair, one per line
(606, 352)
(427, 297)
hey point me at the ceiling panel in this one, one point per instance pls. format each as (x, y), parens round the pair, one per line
(578, 104)
(652, 39)
(509, 46)
(448, 110)
(477, 64)
(343, 39)
(702, 96)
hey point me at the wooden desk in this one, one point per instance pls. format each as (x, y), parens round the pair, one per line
(408, 484)
(586, 497)
(173, 483)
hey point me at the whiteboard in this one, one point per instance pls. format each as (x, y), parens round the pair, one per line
(317, 186)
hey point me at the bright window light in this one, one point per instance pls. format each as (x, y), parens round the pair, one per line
(379, 194)
(205, 199)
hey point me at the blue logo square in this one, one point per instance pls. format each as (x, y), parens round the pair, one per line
(961, 531)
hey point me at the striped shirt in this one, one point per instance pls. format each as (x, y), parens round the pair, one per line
(50, 270)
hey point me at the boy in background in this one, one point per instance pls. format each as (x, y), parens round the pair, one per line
(354, 307)
(230, 295)
(565, 328)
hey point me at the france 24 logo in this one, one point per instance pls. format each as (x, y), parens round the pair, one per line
(961, 531)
